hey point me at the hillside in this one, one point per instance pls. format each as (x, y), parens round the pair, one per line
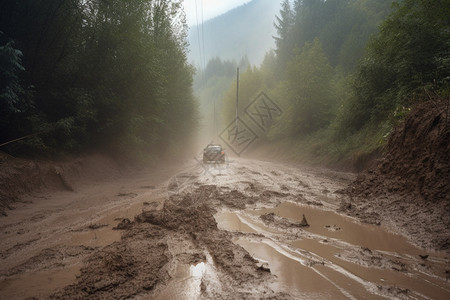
(410, 185)
(245, 30)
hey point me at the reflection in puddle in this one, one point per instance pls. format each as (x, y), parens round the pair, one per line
(293, 272)
(198, 270)
(337, 257)
(185, 283)
(232, 222)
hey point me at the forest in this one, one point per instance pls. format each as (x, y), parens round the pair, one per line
(94, 75)
(110, 75)
(346, 73)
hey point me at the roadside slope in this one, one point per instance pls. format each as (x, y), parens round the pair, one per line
(410, 185)
(21, 176)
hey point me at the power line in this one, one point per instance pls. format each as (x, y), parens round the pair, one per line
(203, 39)
(198, 34)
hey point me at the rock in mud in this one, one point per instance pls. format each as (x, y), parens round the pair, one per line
(304, 223)
(124, 224)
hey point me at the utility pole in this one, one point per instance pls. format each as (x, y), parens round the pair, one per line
(237, 98)
(215, 121)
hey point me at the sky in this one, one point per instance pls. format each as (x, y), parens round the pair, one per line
(211, 9)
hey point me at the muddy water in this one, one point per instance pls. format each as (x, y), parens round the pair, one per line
(38, 284)
(44, 283)
(332, 225)
(105, 234)
(337, 257)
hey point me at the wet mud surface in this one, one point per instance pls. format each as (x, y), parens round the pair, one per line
(409, 187)
(244, 229)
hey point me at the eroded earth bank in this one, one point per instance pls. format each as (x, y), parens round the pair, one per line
(244, 229)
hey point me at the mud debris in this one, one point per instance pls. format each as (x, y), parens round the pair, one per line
(333, 228)
(303, 222)
(132, 271)
(410, 184)
(282, 223)
(124, 224)
(51, 258)
(96, 226)
(167, 233)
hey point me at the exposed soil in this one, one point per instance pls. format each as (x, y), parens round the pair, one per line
(231, 231)
(20, 176)
(409, 187)
(143, 258)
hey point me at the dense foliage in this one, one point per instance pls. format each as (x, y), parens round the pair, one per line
(318, 45)
(408, 59)
(345, 71)
(97, 73)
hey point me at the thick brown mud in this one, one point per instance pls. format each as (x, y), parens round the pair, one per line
(231, 231)
(409, 186)
(335, 257)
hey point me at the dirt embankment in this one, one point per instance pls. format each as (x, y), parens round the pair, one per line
(410, 185)
(21, 176)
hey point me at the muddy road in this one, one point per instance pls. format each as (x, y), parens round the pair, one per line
(244, 229)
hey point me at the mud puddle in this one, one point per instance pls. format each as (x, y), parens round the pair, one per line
(336, 257)
(38, 284)
(103, 232)
(331, 225)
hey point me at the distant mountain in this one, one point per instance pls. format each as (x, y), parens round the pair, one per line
(245, 30)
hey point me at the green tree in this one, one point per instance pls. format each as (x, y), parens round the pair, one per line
(309, 86)
(411, 54)
(283, 42)
(11, 90)
(105, 73)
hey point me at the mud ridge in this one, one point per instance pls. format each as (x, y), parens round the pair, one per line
(140, 263)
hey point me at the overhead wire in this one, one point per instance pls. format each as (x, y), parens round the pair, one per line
(203, 38)
(198, 33)
(204, 68)
(202, 55)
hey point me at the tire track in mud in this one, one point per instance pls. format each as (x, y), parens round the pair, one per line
(147, 254)
(180, 246)
(319, 191)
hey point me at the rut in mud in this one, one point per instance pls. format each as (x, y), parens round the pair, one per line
(183, 232)
(220, 232)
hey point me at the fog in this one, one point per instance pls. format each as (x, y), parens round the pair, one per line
(243, 31)
(239, 38)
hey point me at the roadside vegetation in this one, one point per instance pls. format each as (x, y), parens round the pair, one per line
(95, 75)
(346, 73)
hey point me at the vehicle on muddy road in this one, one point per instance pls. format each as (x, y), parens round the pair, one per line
(214, 153)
